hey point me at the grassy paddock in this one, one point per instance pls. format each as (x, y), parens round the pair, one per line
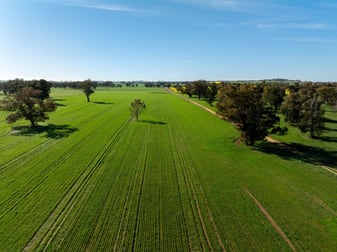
(92, 179)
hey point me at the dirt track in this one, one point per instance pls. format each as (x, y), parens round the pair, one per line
(271, 220)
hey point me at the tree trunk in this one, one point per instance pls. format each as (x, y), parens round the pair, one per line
(88, 99)
(32, 122)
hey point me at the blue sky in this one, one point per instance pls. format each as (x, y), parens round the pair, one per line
(168, 39)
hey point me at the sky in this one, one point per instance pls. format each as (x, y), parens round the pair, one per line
(168, 40)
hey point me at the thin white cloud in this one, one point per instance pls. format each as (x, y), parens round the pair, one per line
(98, 5)
(310, 40)
(330, 5)
(217, 4)
(305, 26)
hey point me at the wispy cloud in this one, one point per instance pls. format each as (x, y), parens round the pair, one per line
(305, 26)
(329, 5)
(98, 5)
(216, 4)
(310, 40)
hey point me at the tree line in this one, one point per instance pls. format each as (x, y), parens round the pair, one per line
(253, 107)
(30, 100)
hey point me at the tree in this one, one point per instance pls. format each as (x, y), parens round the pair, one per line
(199, 88)
(187, 89)
(303, 109)
(273, 95)
(243, 106)
(26, 103)
(211, 92)
(291, 108)
(328, 94)
(137, 106)
(42, 85)
(88, 88)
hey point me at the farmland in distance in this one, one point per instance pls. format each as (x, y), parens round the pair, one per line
(93, 179)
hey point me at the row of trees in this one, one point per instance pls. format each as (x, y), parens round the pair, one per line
(6, 86)
(200, 88)
(30, 99)
(253, 108)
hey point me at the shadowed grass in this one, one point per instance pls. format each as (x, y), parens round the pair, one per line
(50, 131)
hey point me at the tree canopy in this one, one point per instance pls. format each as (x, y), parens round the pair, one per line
(27, 103)
(243, 106)
(88, 88)
(137, 106)
(303, 109)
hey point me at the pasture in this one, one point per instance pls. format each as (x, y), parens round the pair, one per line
(92, 179)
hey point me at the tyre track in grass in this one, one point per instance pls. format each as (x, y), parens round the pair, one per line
(100, 231)
(277, 228)
(329, 169)
(39, 183)
(141, 164)
(48, 230)
(171, 139)
(265, 214)
(187, 167)
(193, 197)
(26, 154)
(102, 227)
(41, 145)
(125, 217)
(69, 152)
(100, 221)
(82, 203)
(87, 191)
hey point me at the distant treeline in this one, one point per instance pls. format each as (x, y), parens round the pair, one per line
(10, 86)
(200, 88)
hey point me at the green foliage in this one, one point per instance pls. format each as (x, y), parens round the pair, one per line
(328, 94)
(273, 95)
(28, 103)
(303, 109)
(137, 106)
(211, 93)
(243, 106)
(199, 88)
(88, 88)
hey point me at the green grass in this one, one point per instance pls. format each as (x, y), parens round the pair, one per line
(174, 181)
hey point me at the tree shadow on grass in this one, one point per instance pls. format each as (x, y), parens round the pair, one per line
(329, 129)
(327, 139)
(304, 153)
(103, 103)
(152, 122)
(50, 130)
(60, 105)
(329, 120)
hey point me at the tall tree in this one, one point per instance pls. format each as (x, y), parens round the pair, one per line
(187, 89)
(137, 106)
(243, 106)
(273, 95)
(303, 109)
(211, 92)
(328, 94)
(42, 85)
(199, 88)
(88, 88)
(291, 108)
(27, 104)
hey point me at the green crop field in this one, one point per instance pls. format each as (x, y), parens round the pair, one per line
(92, 179)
